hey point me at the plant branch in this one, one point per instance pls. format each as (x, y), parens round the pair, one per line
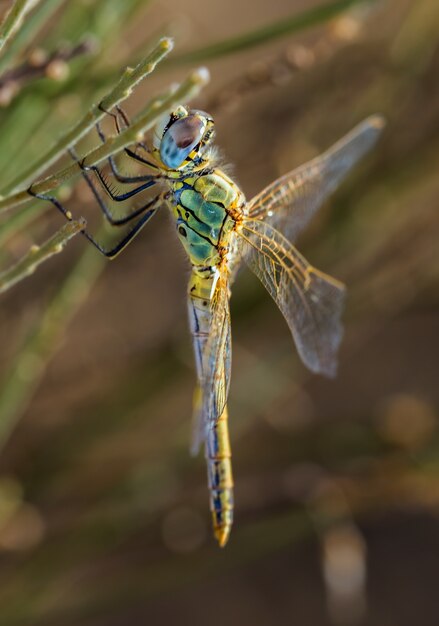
(14, 19)
(38, 254)
(40, 65)
(146, 120)
(33, 23)
(123, 89)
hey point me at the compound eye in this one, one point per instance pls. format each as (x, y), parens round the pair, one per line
(180, 139)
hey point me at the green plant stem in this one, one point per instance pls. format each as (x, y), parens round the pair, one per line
(31, 26)
(122, 90)
(187, 90)
(38, 254)
(14, 19)
(42, 340)
(286, 26)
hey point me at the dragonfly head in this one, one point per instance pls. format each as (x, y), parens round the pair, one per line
(181, 138)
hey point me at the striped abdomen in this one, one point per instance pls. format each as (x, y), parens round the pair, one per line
(215, 436)
(220, 478)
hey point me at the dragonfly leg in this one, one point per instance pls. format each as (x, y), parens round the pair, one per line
(142, 145)
(149, 181)
(126, 122)
(146, 180)
(105, 210)
(112, 163)
(148, 211)
(111, 253)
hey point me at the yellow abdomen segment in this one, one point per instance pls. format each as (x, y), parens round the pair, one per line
(220, 478)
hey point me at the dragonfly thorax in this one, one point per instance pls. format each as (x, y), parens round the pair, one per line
(204, 207)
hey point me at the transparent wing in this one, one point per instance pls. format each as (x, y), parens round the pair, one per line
(214, 383)
(291, 201)
(311, 302)
(217, 358)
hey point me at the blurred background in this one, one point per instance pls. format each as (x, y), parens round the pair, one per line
(104, 516)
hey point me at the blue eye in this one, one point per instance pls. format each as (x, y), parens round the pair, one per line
(180, 139)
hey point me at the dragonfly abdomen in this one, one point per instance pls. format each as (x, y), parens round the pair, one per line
(202, 288)
(220, 478)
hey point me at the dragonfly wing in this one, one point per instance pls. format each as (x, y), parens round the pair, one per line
(198, 423)
(214, 381)
(291, 201)
(311, 302)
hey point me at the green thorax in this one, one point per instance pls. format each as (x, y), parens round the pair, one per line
(201, 205)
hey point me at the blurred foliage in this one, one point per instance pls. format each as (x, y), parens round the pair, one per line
(103, 514)
(286, 26)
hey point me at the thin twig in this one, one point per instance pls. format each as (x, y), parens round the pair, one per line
(14, 18)
(38, 254)
(39, 65)
(146, 120)
(29, 29)
(123, 89)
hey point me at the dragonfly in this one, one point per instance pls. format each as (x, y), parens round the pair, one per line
(220, 230)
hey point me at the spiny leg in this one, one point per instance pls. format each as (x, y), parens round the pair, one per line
(151, 208)
(123, 243)
(121, 178)
(116, 173)
(128, 151)
(146, 211)
(107, 213)
(149, 181)
(121, 113)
